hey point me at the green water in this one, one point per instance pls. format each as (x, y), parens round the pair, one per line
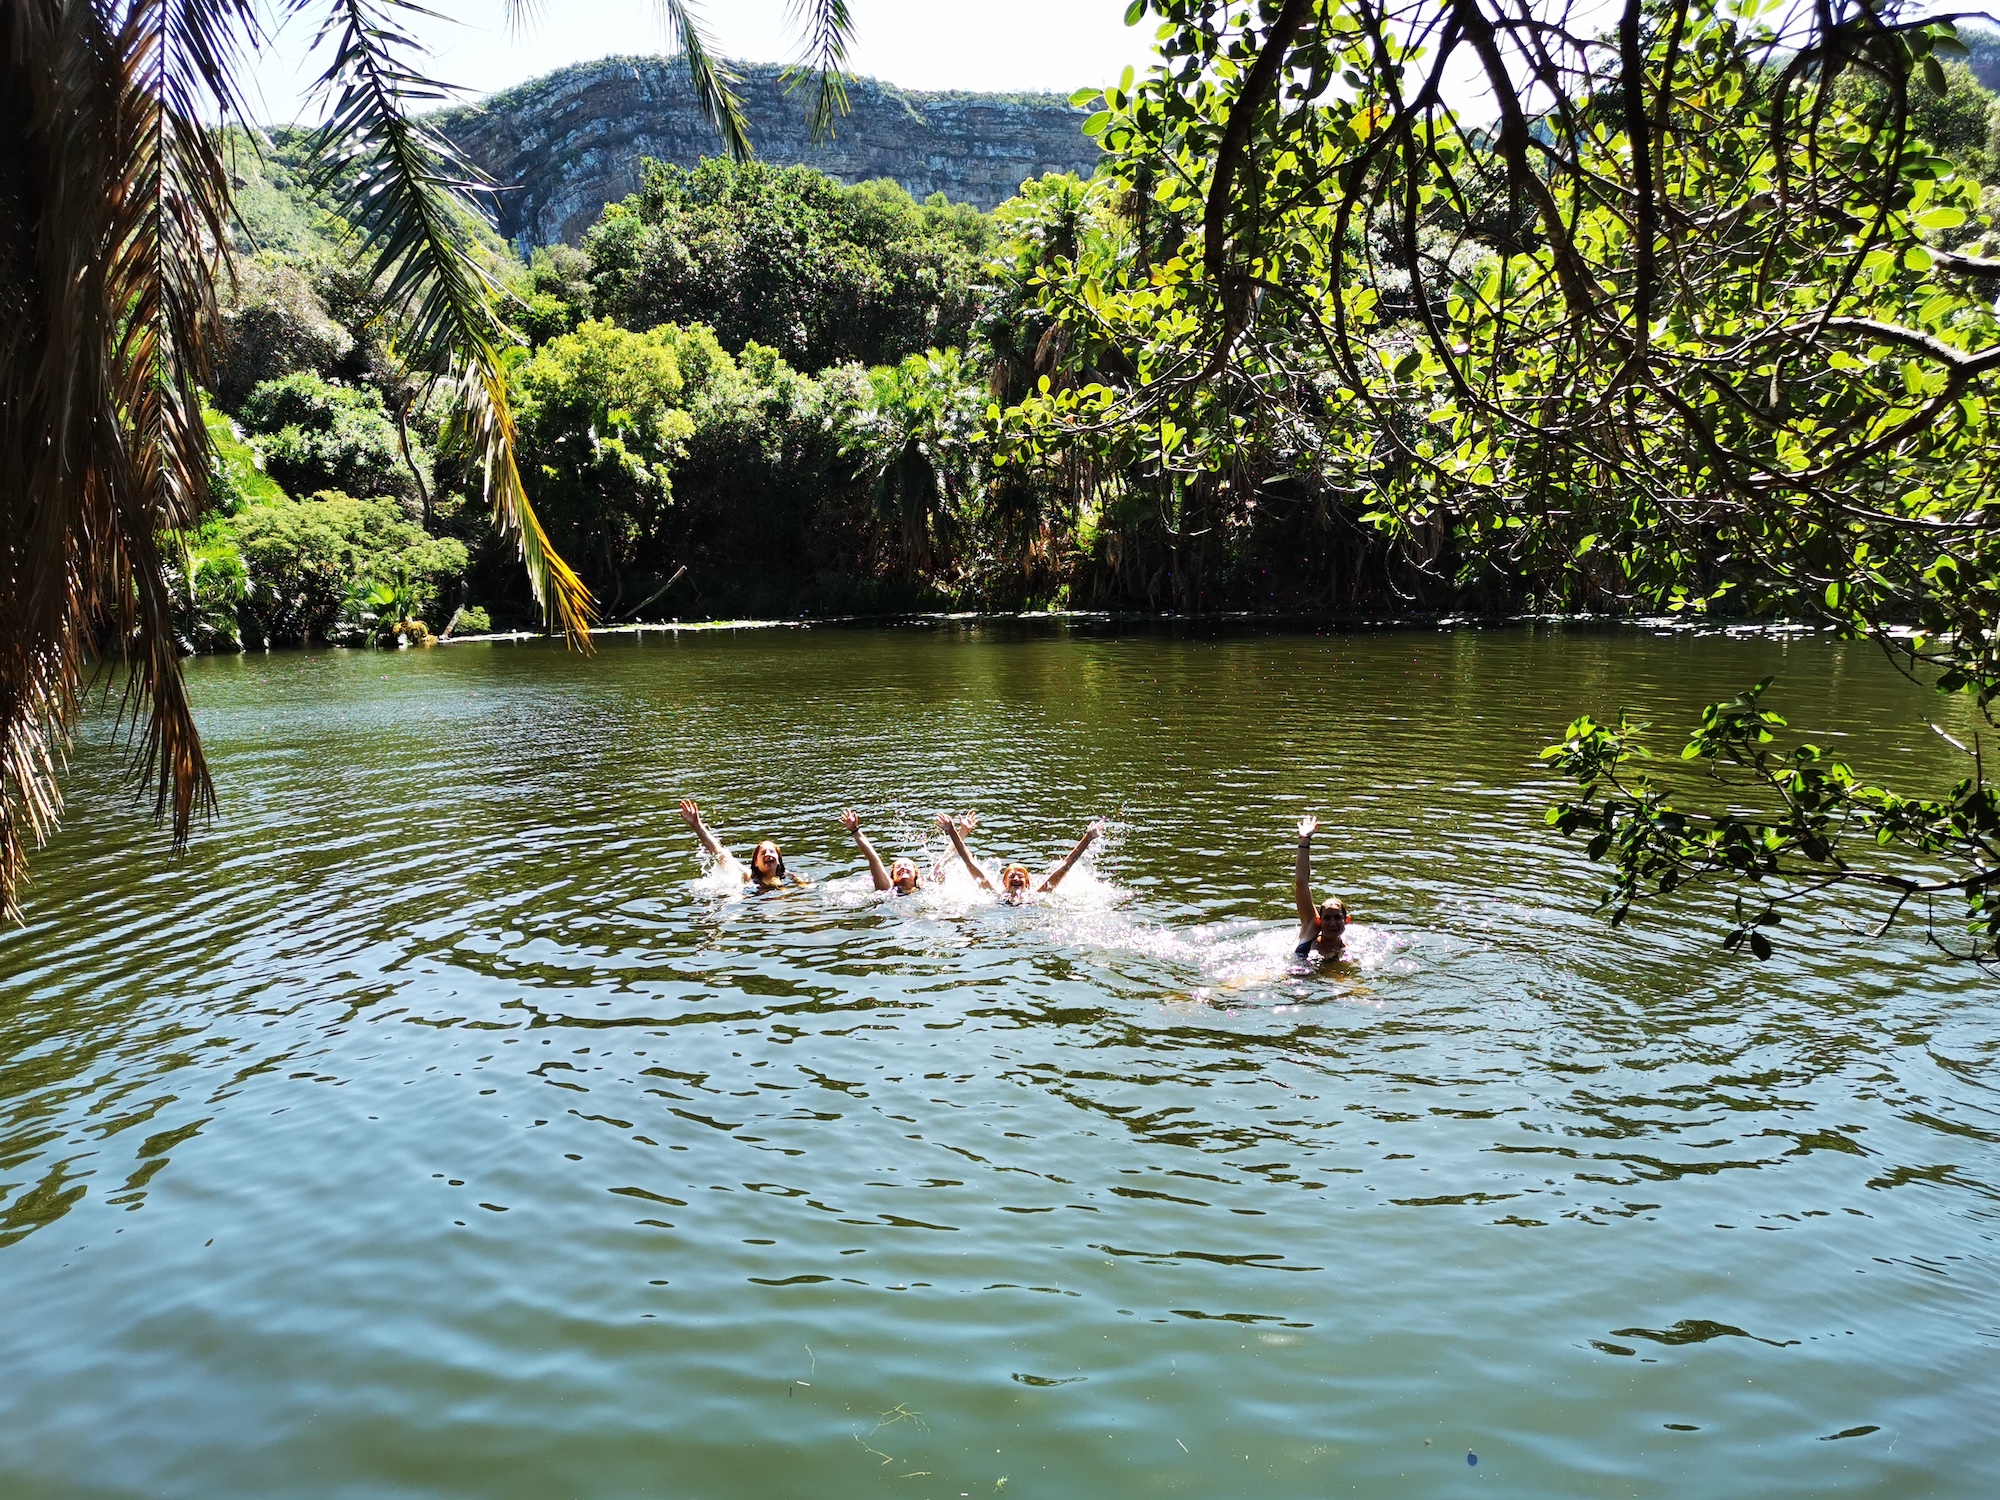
(432, 1129)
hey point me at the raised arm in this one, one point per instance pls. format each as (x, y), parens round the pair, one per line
(692, 816)
(1302, 882)
(950, 825)
(851, 821)
(1090, 835)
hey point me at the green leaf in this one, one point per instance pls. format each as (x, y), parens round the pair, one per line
(1135, 12)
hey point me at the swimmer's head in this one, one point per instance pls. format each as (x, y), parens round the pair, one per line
(903, 876)
(767, 864)
(1332, 923)
(1014, 880)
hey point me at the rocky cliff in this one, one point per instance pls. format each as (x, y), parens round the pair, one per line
(567, 144)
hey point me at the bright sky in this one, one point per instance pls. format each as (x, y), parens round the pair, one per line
(921, 44)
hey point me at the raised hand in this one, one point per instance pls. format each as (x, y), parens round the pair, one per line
(1308, 826)
(1098, 828)
(851, 821)
(967, 822)
(691, 815)
(1090, 834)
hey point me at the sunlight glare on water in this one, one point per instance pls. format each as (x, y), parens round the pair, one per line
(436, 1125)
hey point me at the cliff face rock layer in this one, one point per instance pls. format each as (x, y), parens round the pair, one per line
(567, 144)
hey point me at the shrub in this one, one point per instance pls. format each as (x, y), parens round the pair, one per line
(234, 477)
(470, 620)
(317, 435)
(789, 258)
(600, 419)
(308, 560)
(557, 294)
(208, 582)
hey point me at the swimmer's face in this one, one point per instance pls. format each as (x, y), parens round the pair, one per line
(903, 876)
(767, 861)
(1332, 923)
(1014, 880)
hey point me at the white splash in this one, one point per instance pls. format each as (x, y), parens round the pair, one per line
(722, 878)
(1091, 913)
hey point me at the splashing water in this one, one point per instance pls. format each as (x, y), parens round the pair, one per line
(1091, 915)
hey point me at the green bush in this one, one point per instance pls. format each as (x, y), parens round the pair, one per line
(317, 435)
(209, 582)
(471, 620)
(311, 565)
(600, 419)
(789, 258)
(234, 478)
(556, 296)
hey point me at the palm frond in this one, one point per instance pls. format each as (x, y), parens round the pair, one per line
(825, 29)
(178, 65)
(112, 204)
(404, 187)
(714, 82)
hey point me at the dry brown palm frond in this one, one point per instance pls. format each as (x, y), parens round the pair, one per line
(112, 202)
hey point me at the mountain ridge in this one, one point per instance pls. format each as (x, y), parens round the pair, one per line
(565, 144)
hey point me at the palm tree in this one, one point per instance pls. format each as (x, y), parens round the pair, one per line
(115, 204)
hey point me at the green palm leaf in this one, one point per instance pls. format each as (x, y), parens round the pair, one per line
(825, 28)
(404, 187)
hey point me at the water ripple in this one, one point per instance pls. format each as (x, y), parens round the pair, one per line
(437, 1120)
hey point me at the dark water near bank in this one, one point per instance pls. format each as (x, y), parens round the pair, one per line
(431, 1130)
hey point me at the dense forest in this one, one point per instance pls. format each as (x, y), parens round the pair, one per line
(703, 383)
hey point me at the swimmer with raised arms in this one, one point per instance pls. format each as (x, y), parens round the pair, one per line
(766, 870)
(901, 877)
(1016, 883)
(1321, 926)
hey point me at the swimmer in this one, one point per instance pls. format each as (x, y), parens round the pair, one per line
(900, 877)
(1321, 926)
(766, 870)
(1016, 883)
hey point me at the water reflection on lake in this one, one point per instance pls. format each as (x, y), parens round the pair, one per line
(432, 1128)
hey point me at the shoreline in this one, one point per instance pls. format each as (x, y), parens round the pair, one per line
(1659, 624)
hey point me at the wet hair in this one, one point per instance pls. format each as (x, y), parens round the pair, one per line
(916, 875)
(1007, 870)
(1334, 905)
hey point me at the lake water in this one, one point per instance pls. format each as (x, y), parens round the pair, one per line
(433, 1128)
